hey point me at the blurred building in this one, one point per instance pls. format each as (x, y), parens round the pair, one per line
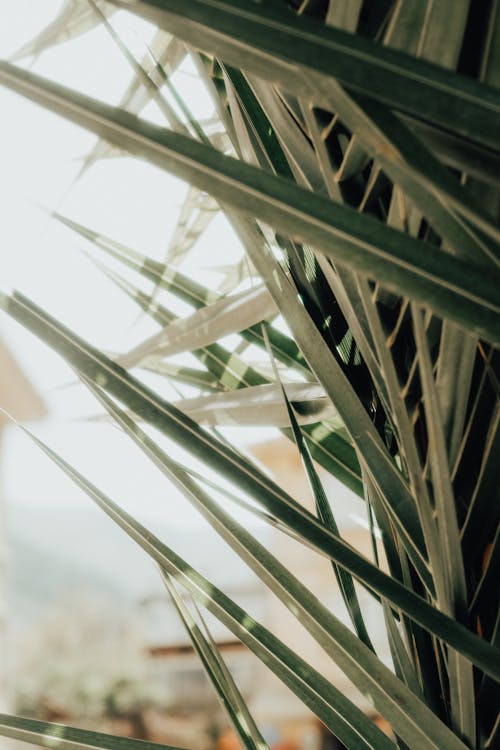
(19, 399)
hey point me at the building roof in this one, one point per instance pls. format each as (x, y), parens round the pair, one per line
(17, 395)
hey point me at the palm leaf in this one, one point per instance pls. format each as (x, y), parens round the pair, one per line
(231, 314)
(260, 405)
(148, 405)
(339, 714)
(72, 20)
(415, 87)
(327, 442)
(450, 286)
(218, 673)
(419, 727)
(330, 155)
(324, 511)
(50, 735)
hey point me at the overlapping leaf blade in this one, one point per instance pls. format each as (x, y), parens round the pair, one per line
(450, 286)
(148, 405)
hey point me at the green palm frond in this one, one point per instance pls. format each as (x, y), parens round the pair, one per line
(354, 152)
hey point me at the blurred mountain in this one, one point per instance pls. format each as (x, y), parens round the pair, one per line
(54, 552)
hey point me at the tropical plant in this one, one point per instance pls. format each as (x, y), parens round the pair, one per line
(355, 153)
